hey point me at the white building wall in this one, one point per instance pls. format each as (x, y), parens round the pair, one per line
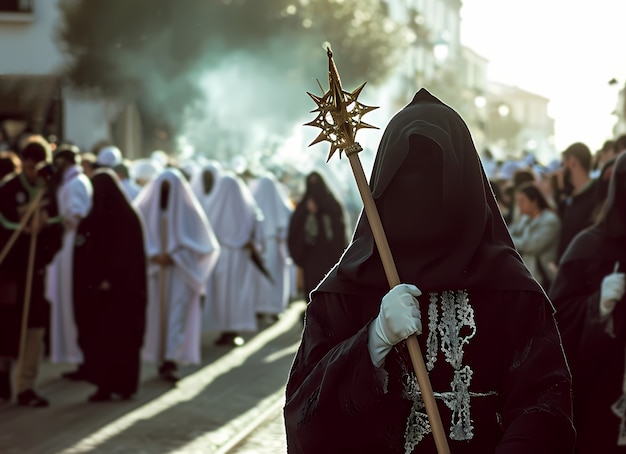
(29, 48)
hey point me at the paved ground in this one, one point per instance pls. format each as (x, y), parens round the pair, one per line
(268, 437)
(207, 412)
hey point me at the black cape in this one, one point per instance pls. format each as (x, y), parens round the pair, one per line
(15, 194)
(595, 347)
(446, 233)
(109, 248)
(316, 248)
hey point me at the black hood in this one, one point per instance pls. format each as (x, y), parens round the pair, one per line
(438, 211)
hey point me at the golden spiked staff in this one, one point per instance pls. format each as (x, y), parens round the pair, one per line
(339, 117)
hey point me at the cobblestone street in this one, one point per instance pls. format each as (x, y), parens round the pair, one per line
(215, 408)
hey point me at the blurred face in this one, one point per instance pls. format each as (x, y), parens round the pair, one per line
(525, 205)
(29, 168)
(62, 164)
(88, 168)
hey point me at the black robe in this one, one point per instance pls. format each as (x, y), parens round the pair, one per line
(336, 399)
(316, 241)
(109, 247)
(595, 346)
(15, 194)
(576, 213)
(447, 237)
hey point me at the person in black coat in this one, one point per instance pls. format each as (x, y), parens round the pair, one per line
(110, 289)
(317, 232)
(489, 337)
(16, 193)
(588, 294)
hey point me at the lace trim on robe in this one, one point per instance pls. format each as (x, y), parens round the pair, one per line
(445, 333)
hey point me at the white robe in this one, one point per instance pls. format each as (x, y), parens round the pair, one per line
(273, 297)
(191, 243)
(233, 288)
(75, 197)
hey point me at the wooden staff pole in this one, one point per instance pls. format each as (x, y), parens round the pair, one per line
(28, 287)
(163, 318)
(340, 132)
(415, 352)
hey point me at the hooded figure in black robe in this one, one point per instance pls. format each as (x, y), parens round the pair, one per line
(110, 289)
(317, 232)
(595, 341)
(489, 337)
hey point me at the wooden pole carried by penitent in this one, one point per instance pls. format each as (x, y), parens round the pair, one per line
(339, 126)
(31, 214)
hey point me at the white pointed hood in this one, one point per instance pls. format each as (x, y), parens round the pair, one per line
(187, 226)
(233, 211)
(274, 203)
(197, 182)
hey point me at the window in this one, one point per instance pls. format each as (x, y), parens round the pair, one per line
(16, 6)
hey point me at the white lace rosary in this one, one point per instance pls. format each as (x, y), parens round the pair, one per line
(445, 331)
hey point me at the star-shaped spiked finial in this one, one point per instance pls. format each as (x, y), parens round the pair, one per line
(339, 113)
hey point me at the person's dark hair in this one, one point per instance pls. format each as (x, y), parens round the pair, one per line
(9, 163)
(122, 170)
(69, 152)
(609, 145)
(36, 150)
(532, 191)
(581, 152)
(522, 176)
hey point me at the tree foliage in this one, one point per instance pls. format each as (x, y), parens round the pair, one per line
(152, 51)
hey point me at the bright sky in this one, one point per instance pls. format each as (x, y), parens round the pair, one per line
(565, 50)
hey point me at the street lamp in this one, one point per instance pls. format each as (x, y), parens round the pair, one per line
(441, 50)
(480, 101)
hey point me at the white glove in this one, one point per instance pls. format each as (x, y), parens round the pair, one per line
(611, 292)
(399, 317)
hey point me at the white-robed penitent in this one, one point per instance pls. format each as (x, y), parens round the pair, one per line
(274, 203)
(75, 198)
(203, 185)
(232, 293)
(192, 245)
(204, 181)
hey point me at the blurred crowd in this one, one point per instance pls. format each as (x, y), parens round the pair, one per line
(107, 262)
(546, 205)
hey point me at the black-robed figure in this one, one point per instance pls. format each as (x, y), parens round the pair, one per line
(593, 324)
(317, 232)
(110, 293)
(488, 333)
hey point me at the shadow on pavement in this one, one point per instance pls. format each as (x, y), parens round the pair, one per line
(206, 404)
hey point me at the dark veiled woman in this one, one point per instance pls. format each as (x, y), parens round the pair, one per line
(488, 335)
(317, 232)
(588, 294)
(110, 289)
